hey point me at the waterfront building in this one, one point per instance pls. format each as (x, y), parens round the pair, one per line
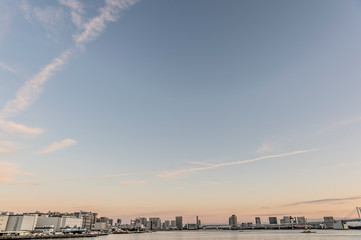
(110, 222)
(89, 218)
(21, 222)
(233, 221)
(287, 220)
(179, 222)
(173, 224)
(59, 223)
(119, 222)
(301, 220)
(3, 222)
(258, 221)
(329, 222)
(100, 226)
(166, 224)
(143, 221)
(191, 226)
(155, 223)
(272, 220)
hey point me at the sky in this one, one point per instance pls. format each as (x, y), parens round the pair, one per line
(164, 108)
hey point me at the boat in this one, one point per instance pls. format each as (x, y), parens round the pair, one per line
(308, 231)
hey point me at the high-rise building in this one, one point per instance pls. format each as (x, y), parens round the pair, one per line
(258, 221)
(119, 222)
(155, 223)
(173, 224)
(233, 221)
(272, 220)
(179, 222)
(166, 224)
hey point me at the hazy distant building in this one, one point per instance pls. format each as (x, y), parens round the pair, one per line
(119, 222)
(258, 221)
(179, 222)
(166, 224)
(287, 220)
(301, 220)
(191, 226)
(173, 224)
(155, 223)
(100, 226)
(233, 221)
(272, 220)
(21, 223)
(329, 222)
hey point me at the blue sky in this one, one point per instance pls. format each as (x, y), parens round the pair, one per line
(155, 107)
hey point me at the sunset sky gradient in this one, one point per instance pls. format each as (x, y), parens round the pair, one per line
(163, 108)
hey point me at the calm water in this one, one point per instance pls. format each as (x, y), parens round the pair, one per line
(236, 235)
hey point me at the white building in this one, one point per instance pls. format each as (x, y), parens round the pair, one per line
(21, 223)
(3, 222)
(59, 223)
(99, 226)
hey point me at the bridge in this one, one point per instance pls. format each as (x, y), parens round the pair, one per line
(342, 224)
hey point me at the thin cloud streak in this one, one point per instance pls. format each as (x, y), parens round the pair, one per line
(76, 11)
(31, 90)
(12, 127)
(8, 68)
(168, 174)
(109, 13)
(58, 146)
(325, 200)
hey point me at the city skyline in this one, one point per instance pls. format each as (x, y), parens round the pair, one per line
(180, 108)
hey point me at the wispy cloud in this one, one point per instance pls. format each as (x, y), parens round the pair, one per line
(342, 123)
(267, 147)
(12, 127)
(76, 11)
(324, 200)
(58, 146)
(31, 90)
(94, 27)
(132, 182)
(168, 174)
(8, 172)
(50, 17)
(8, 68)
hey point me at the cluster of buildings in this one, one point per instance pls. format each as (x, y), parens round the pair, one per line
(285, 222)
(87, 222)
(83, 222)
(52, 222)
(155, 224)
